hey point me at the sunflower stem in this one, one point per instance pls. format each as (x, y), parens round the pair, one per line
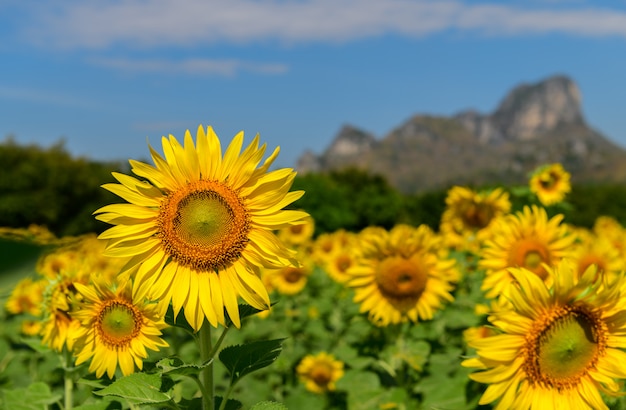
(68, 379)
(206, 351)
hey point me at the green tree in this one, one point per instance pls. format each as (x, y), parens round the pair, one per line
(49, 187)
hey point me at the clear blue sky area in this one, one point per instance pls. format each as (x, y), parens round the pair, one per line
(107, 76)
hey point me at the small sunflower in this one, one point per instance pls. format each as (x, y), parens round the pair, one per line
(400, 275)
(298, 234)
(525, 239)
(591, 249)
(116, 328)
(551, 183)
(558, 345)
(58, 328)
(200, 226)
(26, 297)
(320, 372)
(468, 215)
(290, 280)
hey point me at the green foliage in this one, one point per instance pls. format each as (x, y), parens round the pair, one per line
(34, 397)
(49, 187)
(350, 199)
(137, 388)
(241, 360)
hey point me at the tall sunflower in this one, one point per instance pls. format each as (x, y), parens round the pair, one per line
(199, 226)
(116, 327)
(400, 275)
(558, 345)
(551, 183)
(525, 239)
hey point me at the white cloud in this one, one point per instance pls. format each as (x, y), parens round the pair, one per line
(187, 23)
(46, 97)
(190, 66)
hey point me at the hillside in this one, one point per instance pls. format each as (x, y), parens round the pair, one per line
(533, 125)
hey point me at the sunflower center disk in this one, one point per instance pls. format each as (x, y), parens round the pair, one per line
(293, 275)
(529, 254)
(402, 281)
(548, 181)
(567, 348)
(203, 219)
(322, 374)
(478, 216)
(118, 323)
(204, 226)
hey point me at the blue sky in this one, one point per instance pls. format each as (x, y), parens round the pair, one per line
(106, 76)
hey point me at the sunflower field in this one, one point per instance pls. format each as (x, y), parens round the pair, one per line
(215, 281)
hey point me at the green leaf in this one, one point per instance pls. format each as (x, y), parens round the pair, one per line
(35, 344)
(230, 404)
(178, 321)
(174, 365)
(34, 397)
(268, 405)
(241, 360)
(101, 404)
(137, 388)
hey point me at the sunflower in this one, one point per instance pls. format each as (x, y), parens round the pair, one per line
(591, 249)
(468, 214)
(116, 328)
(58, 328)
(400, 275)
(327, 244)
(26, 297)
(525, 239)
(200, 226)
(298, 234)
(558, 345)
(320, 372)
(290, 280)
(550, 183)
(610, 229)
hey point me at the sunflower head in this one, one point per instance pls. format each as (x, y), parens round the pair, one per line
(527, 239)
(199, 226)
(320, 372)
(116, 327)
(550, 183)
(556, 344)
(468, 215)
(400, 275)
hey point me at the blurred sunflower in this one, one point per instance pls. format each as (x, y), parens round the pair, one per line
(116, 328)
(339, 262)
(559, 346)
(290, 280)
(550, 183)
(400, 275)
(327, 244)
(611, 229)
(525, 239)
(298, 234)
(320, 372)
(58, 328)
(591, 249)
(468, 215)
(26, 297)
(201, 227)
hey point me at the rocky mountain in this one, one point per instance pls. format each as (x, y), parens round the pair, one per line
(534, 124)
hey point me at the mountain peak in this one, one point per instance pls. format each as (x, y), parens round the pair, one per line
(534, 124)
(530, 110)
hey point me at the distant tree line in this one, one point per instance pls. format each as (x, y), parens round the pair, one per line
(48, 186)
